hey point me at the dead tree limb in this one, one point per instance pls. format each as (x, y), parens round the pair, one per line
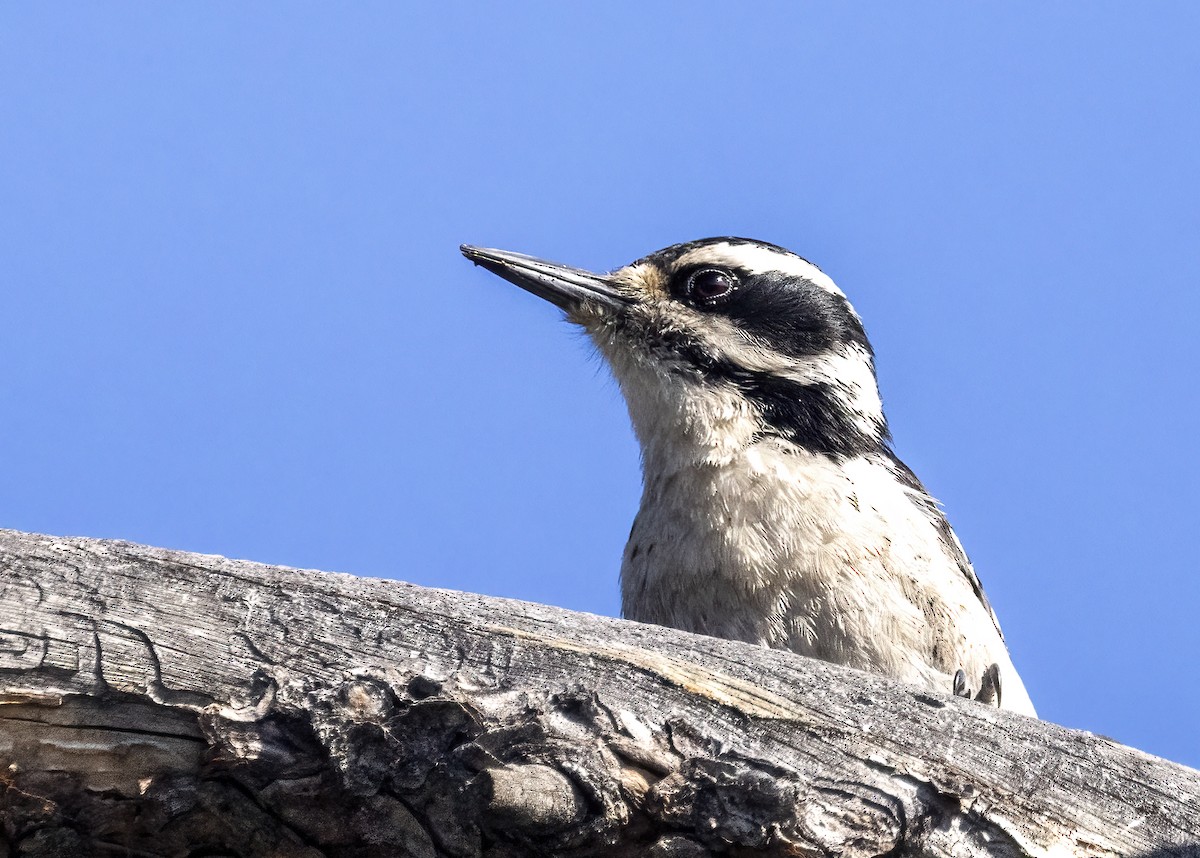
(162, 703)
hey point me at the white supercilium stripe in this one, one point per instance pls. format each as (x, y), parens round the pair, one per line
(758, 260)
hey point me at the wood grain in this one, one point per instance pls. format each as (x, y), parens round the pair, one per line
(164, 703)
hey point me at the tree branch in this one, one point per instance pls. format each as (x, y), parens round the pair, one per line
(162, 703)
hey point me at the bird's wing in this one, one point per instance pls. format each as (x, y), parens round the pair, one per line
(949, 539)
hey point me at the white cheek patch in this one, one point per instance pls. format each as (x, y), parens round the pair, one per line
(846, 370)
(757, 259)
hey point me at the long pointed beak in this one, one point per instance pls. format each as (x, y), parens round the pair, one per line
(566, 287)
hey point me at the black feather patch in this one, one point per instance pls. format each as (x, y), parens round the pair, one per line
(794, 316)
(812, 416)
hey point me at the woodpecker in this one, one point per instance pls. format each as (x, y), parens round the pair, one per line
(774, 509)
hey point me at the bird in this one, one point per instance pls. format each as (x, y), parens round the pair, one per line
(774, 510)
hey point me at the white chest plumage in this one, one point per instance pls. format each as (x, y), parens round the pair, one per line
(786, 549)
(743, 535)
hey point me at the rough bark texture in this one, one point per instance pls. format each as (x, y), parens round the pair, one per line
(160, 703)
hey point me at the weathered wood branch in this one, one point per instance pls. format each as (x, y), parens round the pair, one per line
(161, 703)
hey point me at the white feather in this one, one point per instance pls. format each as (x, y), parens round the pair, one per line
(758, 259)
(749, 537)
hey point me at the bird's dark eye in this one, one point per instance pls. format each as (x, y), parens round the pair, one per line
(710, 285)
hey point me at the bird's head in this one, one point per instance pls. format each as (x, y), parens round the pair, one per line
(722, 342)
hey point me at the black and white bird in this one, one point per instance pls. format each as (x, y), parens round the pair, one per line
(774, 510)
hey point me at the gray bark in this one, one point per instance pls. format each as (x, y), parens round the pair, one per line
(160, 703)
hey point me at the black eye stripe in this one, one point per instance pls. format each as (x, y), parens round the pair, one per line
(794, 315)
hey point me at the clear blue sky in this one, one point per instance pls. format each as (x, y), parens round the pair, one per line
(235, 320)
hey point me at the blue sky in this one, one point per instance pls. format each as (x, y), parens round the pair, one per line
(234, 317)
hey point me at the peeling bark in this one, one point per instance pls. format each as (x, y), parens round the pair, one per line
(156, 703)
